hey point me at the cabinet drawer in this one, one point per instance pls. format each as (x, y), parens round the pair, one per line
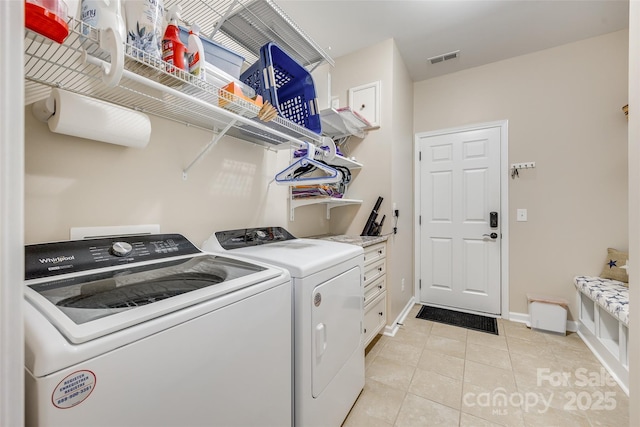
(375, 318)
(373, 289)
(375, 252)
(373, 271)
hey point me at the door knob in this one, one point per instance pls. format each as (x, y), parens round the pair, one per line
(492, 235)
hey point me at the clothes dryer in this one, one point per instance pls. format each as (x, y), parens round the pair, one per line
(328, 315)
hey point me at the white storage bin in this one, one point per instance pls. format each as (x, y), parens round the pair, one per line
(548, 313)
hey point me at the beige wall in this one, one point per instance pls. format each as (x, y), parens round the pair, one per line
(73, 182)
(564, 111)
(386, 154)
(401, 146)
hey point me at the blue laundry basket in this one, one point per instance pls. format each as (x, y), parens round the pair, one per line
(287, 85)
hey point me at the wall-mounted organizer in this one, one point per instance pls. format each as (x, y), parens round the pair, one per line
(97, 64)
(515, 168)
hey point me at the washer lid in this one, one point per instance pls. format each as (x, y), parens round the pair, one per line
(90, 305)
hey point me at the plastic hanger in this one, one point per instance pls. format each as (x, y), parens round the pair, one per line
(286, 176)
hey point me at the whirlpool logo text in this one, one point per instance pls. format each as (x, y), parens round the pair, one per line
(57, 259)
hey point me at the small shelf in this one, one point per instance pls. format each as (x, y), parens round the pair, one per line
(343, 122)
(345, 162)
(331, 203)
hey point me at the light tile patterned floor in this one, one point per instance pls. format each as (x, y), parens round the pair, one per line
(432, 374)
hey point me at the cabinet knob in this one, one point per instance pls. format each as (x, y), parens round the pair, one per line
(364, 278)
(365, 330)
(380, 251)
(381, 313)
(379, 286)
(380, 269)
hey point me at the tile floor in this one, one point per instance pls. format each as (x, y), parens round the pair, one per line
(432, 374)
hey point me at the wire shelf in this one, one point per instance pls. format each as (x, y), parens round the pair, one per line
(246, 25)
(151, 86)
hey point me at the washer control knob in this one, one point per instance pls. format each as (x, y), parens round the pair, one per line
(121, 249)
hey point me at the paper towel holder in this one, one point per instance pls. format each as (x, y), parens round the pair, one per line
(44, 109)
(118, 125)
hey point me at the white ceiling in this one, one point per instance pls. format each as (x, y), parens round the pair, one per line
(484, 31)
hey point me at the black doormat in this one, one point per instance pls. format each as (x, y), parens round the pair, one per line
(457, 318)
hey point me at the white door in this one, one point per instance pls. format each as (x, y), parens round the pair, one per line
(459, 189)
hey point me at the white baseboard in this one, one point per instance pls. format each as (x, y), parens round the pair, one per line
(572, 326)
(519, 317)
(390, 331)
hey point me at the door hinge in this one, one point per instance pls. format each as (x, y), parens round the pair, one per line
(419, 156)
(419, 219)
(420, 284)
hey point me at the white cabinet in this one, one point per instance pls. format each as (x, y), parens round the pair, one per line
(375, 290)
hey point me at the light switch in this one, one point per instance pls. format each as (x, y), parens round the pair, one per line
(521, 215)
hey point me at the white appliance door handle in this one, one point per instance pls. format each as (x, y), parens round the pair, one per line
(321, 339)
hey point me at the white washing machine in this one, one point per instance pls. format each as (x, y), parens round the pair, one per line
(328, 316)
(150, 331)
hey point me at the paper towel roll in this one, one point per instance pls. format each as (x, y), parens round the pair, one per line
(90, 118)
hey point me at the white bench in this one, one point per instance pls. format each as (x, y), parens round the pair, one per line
(603, 323)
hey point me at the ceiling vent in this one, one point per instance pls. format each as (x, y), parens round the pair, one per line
(443, 57)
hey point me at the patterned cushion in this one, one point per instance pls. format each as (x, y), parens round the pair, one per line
(611, 295)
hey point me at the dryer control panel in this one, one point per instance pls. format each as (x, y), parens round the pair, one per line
(245, 237)
(51, 259)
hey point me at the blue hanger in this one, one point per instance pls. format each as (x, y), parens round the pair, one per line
(286, 176)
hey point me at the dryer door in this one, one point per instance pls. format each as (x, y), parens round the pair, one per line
(336, 315)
